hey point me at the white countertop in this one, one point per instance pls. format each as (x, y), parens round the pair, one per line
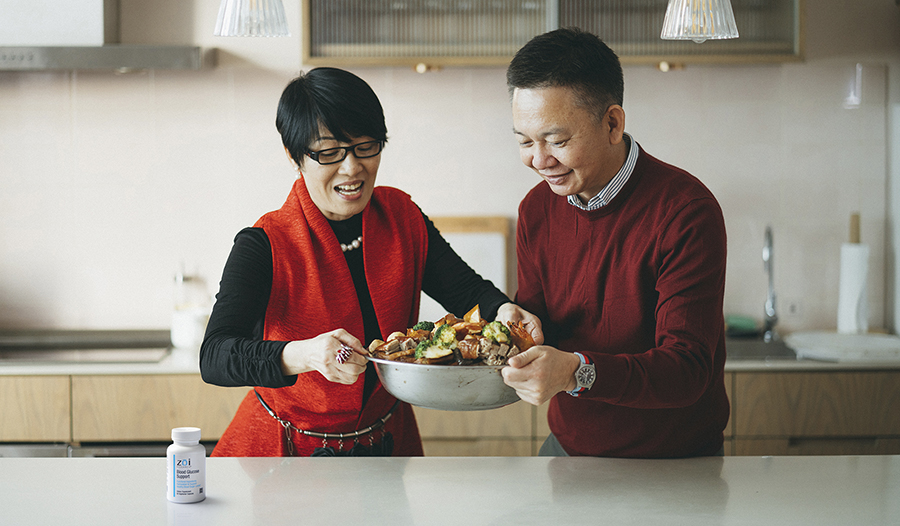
(769, 491)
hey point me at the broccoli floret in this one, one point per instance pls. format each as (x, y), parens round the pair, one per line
(496, 331)
(422, 347)
(424, 326)
(445, 335)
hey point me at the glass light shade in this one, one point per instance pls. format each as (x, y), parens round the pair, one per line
(699, 20)
(251, 18)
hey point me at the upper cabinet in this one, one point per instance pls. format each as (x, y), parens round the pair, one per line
(488, 32)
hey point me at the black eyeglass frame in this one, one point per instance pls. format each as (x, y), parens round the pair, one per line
(346, 149)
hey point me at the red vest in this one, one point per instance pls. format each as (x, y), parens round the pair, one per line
(313, 293)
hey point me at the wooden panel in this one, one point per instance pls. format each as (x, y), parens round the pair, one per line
(543, 428)
(817, 446)
(729, 384)
(147, 407)
(817, 404)
(478, 448)
(35, 409)
(515, 420)
(499, 224)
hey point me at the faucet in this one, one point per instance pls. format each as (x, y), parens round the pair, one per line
(771, 317)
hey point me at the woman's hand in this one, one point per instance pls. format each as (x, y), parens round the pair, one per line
(510, 312)
(321, 354)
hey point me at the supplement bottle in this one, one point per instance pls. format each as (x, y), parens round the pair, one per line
(186, 472)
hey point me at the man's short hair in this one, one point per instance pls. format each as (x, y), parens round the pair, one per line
(570, 58)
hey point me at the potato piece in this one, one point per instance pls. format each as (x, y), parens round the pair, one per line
(473, 315)
(376, 343)
(436, 351)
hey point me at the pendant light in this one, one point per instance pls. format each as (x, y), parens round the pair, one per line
(251, 18)
(699, 20)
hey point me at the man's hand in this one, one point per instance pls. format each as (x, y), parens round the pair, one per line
(510, 312)
(540, 372)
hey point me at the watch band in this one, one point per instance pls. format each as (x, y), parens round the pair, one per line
(584, 361)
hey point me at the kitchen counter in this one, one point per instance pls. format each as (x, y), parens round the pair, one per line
(768, 491)
(175, 361)
(743, 355)
(748, 355)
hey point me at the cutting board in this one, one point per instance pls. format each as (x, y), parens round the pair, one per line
(834, 347)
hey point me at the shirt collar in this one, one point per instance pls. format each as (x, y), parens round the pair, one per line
(612, 188)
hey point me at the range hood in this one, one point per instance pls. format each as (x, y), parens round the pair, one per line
(40, 35)
(118, 57)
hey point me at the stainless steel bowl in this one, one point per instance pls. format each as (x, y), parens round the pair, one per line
(446, 387)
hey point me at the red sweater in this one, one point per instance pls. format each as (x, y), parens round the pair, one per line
(638, 286)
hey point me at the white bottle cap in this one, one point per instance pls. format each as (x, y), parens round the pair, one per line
(186, 434)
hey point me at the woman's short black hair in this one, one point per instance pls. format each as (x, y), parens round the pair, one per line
(338, 100)
(570, 58)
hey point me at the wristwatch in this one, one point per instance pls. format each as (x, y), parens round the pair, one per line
(584, 375)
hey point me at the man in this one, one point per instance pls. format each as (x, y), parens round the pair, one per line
(622, 257)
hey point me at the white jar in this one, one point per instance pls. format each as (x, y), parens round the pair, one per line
(191, 312)
(186, 471)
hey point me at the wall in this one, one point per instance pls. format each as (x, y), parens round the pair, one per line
(108, 182)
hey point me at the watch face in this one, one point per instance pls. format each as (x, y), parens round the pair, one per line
(585, 376)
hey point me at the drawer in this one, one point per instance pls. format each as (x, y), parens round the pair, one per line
(147, 407)
(35, 409)
(844, 404)
(514, 420)
(480, 447)
(817, 446)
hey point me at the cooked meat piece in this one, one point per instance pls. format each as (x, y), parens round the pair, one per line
(390, 347)
(407, 344)
(468, 349)
(494, 359)
(401, 352)
(486, 347)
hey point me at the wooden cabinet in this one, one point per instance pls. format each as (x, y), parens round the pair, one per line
(489, 32)
(115, 408)
(506, 431)
(34, 409)
(147, 407)
(515, 430)
(810, 413)
(773, 413)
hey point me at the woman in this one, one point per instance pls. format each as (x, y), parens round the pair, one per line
(340, 264)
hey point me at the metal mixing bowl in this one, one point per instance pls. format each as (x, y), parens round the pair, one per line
(446, 387)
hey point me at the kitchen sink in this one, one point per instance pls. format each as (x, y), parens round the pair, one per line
(758, 349)
(83, 346)
(83, 355)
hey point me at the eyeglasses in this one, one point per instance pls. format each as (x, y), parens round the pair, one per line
(363, 150)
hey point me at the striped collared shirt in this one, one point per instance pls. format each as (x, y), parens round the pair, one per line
(612, 188)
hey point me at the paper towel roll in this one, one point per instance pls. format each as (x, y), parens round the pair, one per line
(853, 304)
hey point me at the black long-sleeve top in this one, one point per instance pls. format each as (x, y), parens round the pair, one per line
(234, 353)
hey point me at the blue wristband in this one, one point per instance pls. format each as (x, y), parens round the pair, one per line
(584, 361)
